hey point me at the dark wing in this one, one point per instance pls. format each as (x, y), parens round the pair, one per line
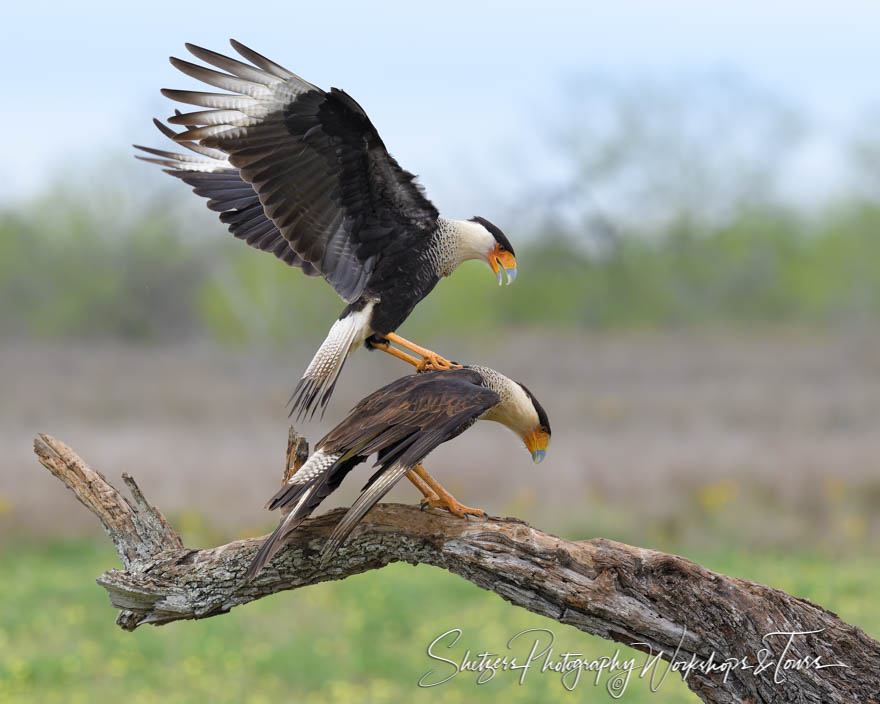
(315, 161)
(213, 177)
(404, 422)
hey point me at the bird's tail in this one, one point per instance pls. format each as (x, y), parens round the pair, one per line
(305, 490)
(316, 386)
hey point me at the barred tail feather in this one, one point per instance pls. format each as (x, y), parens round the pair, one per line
(305, 490)
(274, 542)
(316, 466)
(317, 384)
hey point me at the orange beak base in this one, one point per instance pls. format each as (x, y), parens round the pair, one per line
(502, 259)
(536, 442)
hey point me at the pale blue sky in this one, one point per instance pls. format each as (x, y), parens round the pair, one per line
(446, 83)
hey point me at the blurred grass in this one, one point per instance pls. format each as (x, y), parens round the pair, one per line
(363, 639)
(139, 272)
(834, 518)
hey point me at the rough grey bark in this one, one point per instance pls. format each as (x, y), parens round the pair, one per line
(661, 603)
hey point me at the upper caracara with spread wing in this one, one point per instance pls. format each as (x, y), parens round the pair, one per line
(402, 423)
(302, 173)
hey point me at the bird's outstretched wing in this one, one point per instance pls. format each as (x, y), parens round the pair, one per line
(318, 167)
(402, 422)
(213, 177)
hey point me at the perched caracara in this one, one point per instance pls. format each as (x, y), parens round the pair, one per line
(402, 423)
(302, 173)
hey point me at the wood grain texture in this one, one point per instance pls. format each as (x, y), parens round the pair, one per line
(659, 602)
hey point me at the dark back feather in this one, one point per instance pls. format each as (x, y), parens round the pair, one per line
(414, 403)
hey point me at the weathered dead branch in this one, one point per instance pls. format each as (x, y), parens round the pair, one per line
(662, 603)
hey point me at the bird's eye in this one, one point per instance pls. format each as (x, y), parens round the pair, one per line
(501, 248)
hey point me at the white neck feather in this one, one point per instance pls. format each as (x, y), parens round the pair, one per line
(516, 409)
(461, 240)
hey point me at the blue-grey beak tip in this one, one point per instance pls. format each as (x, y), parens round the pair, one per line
(511, 275)
(538, 456)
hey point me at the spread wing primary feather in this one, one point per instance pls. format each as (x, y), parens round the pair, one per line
(402, 422)
(213, 177)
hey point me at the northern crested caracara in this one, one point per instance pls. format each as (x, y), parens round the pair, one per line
(303, 174)
(402, 423)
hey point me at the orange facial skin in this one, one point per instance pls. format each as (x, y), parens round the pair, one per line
(501, 258)
(536, 442)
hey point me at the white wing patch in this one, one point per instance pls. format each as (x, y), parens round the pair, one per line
(256, 91)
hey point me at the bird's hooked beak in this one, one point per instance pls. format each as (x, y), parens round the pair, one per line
(536, 442)
(499, 259)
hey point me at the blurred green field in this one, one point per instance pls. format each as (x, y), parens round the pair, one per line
(363, 639)
(144, 272)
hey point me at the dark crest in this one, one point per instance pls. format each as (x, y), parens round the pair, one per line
(496, 233)
(543, 420)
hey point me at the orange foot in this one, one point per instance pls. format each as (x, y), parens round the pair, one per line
(436, 496)
(432, 360)
(453, 506)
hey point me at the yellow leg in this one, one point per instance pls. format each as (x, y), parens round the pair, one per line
(394, 352)
(444, 498)
(421, 486)
(430, 359)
